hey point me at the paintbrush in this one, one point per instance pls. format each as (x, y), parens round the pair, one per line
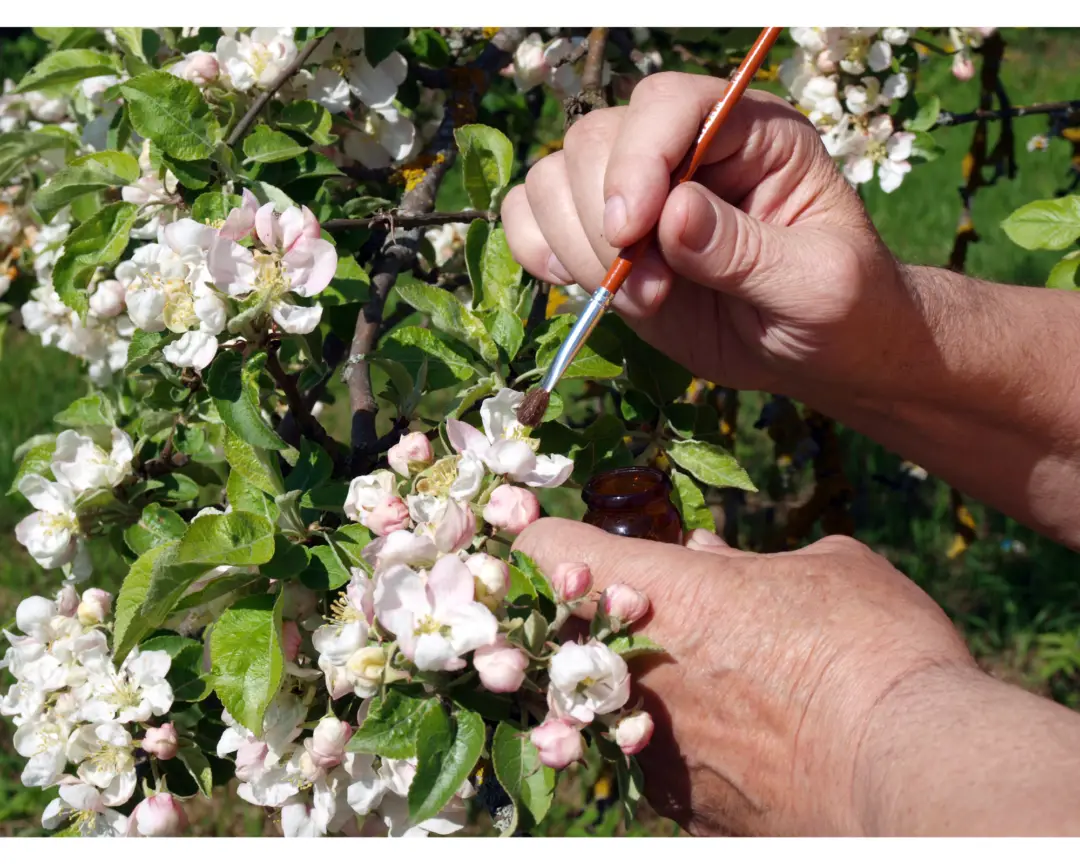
(535, 404)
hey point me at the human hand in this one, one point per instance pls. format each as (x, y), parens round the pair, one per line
(769, 274)
(777, 666)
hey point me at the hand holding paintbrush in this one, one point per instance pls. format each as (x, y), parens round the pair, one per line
(535, 403)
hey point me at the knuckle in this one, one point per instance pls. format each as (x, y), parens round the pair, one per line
(543, 174)
(841, 544)
(661, 87)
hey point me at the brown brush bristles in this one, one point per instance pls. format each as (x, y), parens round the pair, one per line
(533, 407)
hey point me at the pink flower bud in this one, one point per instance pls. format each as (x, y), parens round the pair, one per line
(826, 63)
(963, 67)
(571, 581)
(159, 816)
(391, 514)
(633, 732)
(67, 601)
(456, 527)
(491, 577)
(625, 603)
(501, 666)
(411, 454)
(198, 67)
(326, 746)
(558, 741)
(95, 607)
(512, 508)
(160, 741)
(290, 640)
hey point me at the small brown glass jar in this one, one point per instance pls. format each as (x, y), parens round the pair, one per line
(633, 502)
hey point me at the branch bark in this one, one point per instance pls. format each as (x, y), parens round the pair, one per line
(302, 422)
(948, 119)
(401, 219)
(256, 107)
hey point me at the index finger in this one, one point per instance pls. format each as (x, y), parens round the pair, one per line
(661, 125)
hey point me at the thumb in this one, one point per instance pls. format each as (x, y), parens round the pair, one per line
(705, 239)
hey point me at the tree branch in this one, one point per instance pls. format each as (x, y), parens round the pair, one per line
(253, 112)
(592, 78)
(400, 219)
(948, 119)
(300, 411)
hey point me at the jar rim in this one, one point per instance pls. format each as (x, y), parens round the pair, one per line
(629, 500)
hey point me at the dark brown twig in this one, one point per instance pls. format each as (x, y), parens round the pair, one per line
(948, 119)
(409, 220)
(299, 410)
(253, 112)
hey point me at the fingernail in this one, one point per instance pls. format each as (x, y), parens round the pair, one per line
(556, 269)
(701, 537)
(614, 218)
(700, 222)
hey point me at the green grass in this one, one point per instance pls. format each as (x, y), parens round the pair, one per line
(1020, 612)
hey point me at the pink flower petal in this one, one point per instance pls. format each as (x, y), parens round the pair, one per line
(466, 438)
(266, 226)
(311, 265)
(450, 584)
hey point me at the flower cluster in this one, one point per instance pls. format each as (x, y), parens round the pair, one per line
(73, 706)
(82, 468)
(846, 80)
(538, 61)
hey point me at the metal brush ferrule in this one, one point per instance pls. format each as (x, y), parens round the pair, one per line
(577, 337)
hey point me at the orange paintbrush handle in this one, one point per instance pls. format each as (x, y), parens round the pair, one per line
(623, 263)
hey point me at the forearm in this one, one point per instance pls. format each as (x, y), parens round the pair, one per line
(953, 753)
(986, 397)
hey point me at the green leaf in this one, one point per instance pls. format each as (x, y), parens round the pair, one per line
(156, 525)
(240, 584)
(92, 410)
(506, 329)
(924, 148)
(487, 162)
(289, 561)
(66, 67)
(693, 421)
(18, 148)
(530, 784)
(310, 119)
(171, 112)
(351, 284)
(237, 539)
(85, 174)
(246, 658)
(97, 242)
(145, 348)
(255, 465)
(197, 764)
(471, 395)
(926, 115)
(600, 357)
(449, 315)
(631, 787)
(234, 386)
(475, 241)
(329, 496)
(1064, 273)
(37, 460)
(128, 628)
(691, 503)
(312, 469)
(137, 42)
(521, 591)
(1050, 224)
(600, 447)
(391, 725)
(711, 464)
(381, 42)
(350, 541)
(430, 48)
(630, 646)
(532, 572)
(326, 571)
(433, 345)
(243, 495)
(444, 759)
(653, 373)
(496, 276)
(193, 174)
(214, 207)
(267, 145)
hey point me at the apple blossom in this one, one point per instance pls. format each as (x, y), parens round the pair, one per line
(571, 581)
(44, 743)
(134, 693)
(587, 680)
(326, 746)
(161, 741)
(89, 810)
(386, 136)
(633, 732)
(491, 578)
(160, 815)
(94, 607)
(50, 535)
(558, 743)
(963, 67)
(81, 465)
(501, 666)
(411, 454)
(104, 754)
(435, 623)
(367, 494)
(201, 68)
(390, 514)
(255, 59)
(624, 603)
(512, 508)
